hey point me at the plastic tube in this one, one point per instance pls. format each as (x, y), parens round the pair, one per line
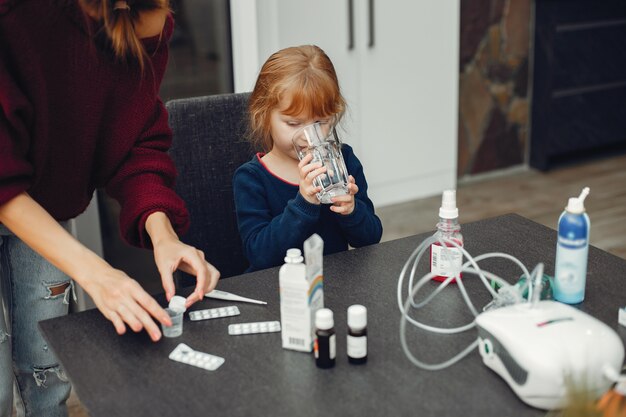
(534, 292)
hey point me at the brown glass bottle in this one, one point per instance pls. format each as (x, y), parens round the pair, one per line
(325, 344)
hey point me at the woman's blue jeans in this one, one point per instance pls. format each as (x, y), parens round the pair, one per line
(32, 290)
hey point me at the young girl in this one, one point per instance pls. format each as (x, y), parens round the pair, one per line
(276, 201)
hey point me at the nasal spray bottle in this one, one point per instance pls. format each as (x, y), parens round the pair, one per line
(446, 261)
(571, 251)
(301, 294)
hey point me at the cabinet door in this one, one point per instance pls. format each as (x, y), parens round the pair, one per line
(408, 66)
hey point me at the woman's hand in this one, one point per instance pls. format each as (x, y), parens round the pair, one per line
(122, 300)
(172, 254)
(344, 204)
(308, 172)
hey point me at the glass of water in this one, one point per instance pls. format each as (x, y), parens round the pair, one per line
(321, 140)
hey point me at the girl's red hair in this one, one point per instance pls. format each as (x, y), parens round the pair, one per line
(307, 76)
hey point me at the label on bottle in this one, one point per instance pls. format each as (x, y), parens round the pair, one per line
(445, 261)
(357, 346)
(570, 274)
(332, 347)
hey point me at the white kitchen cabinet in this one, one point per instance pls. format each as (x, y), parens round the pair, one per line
(397, 63)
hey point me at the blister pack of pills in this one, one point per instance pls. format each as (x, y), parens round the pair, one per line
(185, 354)
(252, 328)
(214, 313)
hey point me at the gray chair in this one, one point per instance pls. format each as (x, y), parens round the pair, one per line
(208, 146)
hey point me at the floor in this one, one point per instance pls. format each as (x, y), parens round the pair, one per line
(536, 195)
(533, 194)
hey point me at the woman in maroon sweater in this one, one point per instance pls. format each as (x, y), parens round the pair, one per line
(79, 110)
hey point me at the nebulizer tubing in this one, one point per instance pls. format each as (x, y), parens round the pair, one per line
(418, 254)
(405, 347)
(534, 291)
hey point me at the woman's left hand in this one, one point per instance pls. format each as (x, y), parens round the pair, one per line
(172, 254)
(344, 204)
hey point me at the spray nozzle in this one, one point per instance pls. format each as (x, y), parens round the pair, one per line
(584, 193)
(577, 204)
(448, 209)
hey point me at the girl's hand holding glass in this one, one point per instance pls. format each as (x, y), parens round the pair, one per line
(344, 204)
(320, 140)
(308, 172)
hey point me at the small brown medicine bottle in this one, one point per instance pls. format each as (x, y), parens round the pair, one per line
(357, 334)
(325, 345)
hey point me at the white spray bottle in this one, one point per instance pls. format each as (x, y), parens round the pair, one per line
(571, 251)
(446, 260)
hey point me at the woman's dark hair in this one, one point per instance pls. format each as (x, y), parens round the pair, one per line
(119, 19)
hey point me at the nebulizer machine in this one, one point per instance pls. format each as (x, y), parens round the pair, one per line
(541, 348)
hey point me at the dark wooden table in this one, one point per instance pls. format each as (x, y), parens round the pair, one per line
(131, 376)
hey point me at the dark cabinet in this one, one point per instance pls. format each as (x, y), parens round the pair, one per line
(579, 80)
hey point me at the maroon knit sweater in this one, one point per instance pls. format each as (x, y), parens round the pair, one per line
(73, 118)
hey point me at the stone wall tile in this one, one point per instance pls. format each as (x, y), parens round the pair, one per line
(496, 10)
(474, 22)
(521, 79)
(518, 111)
(516, 28)
(464, 154)
(522, 137)
(483, 56)
(499, 72)
(475, 104)
(495, 42)
(500, 148)
(501, 93)
(493, 84)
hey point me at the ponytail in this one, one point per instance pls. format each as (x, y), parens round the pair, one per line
(119, 18)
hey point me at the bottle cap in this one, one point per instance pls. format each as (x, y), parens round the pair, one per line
(324, 319)
(576, 205)
(177, 303)
(294, 256)
(357, 317)
(448, 209)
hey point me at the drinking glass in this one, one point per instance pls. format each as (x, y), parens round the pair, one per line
(321, 140)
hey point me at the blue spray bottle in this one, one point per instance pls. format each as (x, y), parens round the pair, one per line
(571, 251)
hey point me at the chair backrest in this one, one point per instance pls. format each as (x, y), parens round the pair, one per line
(208, 146)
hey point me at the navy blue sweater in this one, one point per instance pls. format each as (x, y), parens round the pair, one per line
(273, 216)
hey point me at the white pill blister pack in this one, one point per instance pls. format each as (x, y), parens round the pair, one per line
(252, 328)
(185, 354)
(214, 313)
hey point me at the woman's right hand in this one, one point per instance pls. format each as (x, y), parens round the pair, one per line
(308, 172)
(125, 303)
(120, 298)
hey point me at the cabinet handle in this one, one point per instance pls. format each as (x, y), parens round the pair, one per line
(350, 25)
(370, 42)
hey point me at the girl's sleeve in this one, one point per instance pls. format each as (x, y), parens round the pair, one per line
(361, 227)
(266, 238)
